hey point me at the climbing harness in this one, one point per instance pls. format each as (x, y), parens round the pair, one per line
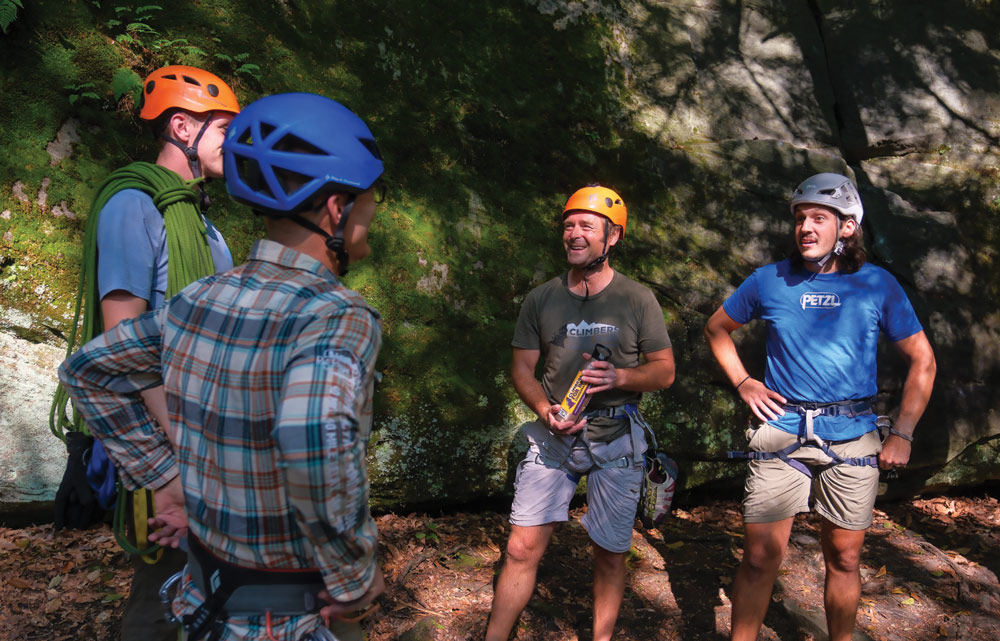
(659, 470)
(809, 439)
(234, 591)
(629, 411)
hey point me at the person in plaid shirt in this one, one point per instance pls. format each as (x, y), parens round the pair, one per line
(268, 371)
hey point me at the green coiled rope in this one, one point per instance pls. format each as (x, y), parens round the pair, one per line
(189, 258)
(187, 248)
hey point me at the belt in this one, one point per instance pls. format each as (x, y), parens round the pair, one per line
(842, 408)
(615, 411)
(231, 590)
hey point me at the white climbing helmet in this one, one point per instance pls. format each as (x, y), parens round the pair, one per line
(830, 190)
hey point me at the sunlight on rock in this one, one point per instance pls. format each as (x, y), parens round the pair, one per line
(434, 281)
(18, 191)
(477, 216)
(945, 269)
(986, 338)
(43, 192)
(62, 146)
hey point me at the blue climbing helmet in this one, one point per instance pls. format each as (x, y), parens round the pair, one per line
(283, 150)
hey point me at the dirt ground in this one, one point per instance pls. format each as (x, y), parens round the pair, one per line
(929, 569)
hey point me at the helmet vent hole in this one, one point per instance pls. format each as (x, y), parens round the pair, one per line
(371, 147)
(291, 181)
(249, 171)
(266, 129)
(608, 202)
(191, 81)
(299, 146)
(170, 77)
(246, 138)
(213, 91)
(150, 85)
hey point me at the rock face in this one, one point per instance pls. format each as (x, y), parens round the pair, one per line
(32, 460)
(703, 114)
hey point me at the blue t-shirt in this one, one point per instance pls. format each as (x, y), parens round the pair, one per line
(132, 247)
(822, 336)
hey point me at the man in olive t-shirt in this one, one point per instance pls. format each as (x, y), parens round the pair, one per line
(564, 320)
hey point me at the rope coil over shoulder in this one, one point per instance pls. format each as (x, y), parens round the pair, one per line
(190, 258)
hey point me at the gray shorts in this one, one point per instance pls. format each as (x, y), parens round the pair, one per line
(844, 494)
(547, 478)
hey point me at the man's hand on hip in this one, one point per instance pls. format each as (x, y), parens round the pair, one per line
(765, 403)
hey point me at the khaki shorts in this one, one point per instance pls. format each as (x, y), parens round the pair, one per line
(844, 494)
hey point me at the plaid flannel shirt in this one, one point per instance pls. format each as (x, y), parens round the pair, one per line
(268, 371)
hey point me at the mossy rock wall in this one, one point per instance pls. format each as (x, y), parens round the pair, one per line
(703, 114)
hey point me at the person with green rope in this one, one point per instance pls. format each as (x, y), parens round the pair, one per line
(269, 372)
(146, 239)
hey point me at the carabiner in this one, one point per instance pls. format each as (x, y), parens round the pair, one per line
(166, 599)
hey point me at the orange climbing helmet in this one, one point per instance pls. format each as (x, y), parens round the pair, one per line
(188, 88)
(598, 200)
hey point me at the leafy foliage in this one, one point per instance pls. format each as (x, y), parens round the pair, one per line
(126, 81)
(8, 12)
(83, 90)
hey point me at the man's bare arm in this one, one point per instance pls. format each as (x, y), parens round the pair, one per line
(765, 403)
(917, 352)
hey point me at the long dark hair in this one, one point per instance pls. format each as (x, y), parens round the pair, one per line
(850, 260)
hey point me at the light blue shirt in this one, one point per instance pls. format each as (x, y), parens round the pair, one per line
(132, 248)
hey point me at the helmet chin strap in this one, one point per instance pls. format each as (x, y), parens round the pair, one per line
(597, 262)
(191, 153)
(838, 249)
(334, 243)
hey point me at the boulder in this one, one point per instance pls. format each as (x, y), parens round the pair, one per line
(31, 457)
(704, 114)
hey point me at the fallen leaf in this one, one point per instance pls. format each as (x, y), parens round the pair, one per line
(908, 601)
(18, 582)
(881, 572)
(56, 581)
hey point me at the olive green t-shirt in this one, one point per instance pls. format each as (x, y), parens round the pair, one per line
(624, 317)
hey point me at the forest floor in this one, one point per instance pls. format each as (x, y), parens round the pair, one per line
(929, 570)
